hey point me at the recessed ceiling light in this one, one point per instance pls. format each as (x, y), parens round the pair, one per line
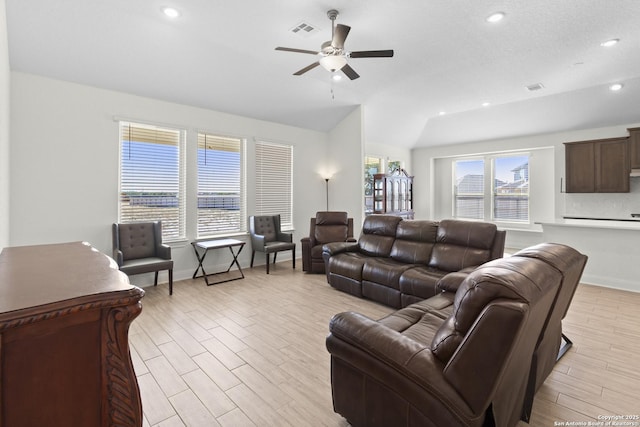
(610, 43)
(495, 17)
(616, 87)
(442, 113)
(486, 104)
(336, 77)
(171, 12)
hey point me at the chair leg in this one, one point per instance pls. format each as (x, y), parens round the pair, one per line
(155, 280)
(275, 254)
(293, 257)
(253, 254)
(171, 281)
(267, 263)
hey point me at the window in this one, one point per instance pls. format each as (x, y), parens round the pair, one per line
(274, 181)
(372, 166)
(152, 177)
(221, 195)
(393, 165)
(508, 187)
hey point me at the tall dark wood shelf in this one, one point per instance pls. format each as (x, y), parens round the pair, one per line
(65, 311)
(393, 194)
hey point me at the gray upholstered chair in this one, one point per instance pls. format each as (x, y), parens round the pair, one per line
(267, 237)
(138, 248)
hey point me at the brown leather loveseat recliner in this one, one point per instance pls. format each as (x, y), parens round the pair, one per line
(326, 227)
(469, 356)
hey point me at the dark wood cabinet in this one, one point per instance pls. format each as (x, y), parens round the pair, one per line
(598, 166)
(65, 312)
(393, 194)
(634, 147)
(580, 167)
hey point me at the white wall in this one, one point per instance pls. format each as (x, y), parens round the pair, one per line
(5, 78)
(64, 148)
(346, 167)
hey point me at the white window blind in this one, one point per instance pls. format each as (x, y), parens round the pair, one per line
(152, 184)
(221, 185)
(468, 191)
(274, 181)
(511, 188)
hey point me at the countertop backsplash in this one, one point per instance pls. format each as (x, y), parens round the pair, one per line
(604, 205)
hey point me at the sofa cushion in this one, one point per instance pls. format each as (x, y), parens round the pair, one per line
(514, 278)
(331, 233)
(331, 227)
(378, 234)
(439, 306)
(348, 264)
(462, 244)
(385, 271)
(421, 281)
(414, 241)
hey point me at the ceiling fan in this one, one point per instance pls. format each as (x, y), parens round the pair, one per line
(333, 56)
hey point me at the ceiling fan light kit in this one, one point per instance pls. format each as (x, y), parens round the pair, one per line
(333, 63)
(333, 56)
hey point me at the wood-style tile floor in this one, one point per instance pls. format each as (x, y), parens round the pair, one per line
(251, 353)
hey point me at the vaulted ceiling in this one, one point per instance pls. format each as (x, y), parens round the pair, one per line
(220, 55)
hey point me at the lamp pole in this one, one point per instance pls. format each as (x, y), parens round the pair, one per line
(326, 180)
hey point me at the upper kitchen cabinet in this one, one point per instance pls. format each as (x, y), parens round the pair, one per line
(598, 166)
(634, 147)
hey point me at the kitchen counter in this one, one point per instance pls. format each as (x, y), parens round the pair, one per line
(610, 244)
(586, 222)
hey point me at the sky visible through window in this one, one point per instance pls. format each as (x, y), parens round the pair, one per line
(142, 160)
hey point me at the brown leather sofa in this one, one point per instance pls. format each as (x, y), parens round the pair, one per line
(469, 356)
(398, 262)
(326, 227)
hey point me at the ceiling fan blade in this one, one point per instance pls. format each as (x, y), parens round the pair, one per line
(350, 72)
(340, 35)
(372, 54)
(289, 49)
(307, 68)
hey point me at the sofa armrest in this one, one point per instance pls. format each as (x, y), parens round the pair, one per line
(451, 281)
(257, 242)
(375, 338)
(164, 251)
(331, 249)
(284, 237)
(118, 257)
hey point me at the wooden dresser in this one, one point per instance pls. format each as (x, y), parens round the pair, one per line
(65, 312)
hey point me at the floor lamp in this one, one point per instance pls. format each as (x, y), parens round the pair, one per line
(326, 180)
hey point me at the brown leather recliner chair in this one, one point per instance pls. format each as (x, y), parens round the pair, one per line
(436, 364)
(326, 227)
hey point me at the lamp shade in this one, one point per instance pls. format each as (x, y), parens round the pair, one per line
(333, 63)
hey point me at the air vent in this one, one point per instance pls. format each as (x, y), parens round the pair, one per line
(534, 87)
(304, 29)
